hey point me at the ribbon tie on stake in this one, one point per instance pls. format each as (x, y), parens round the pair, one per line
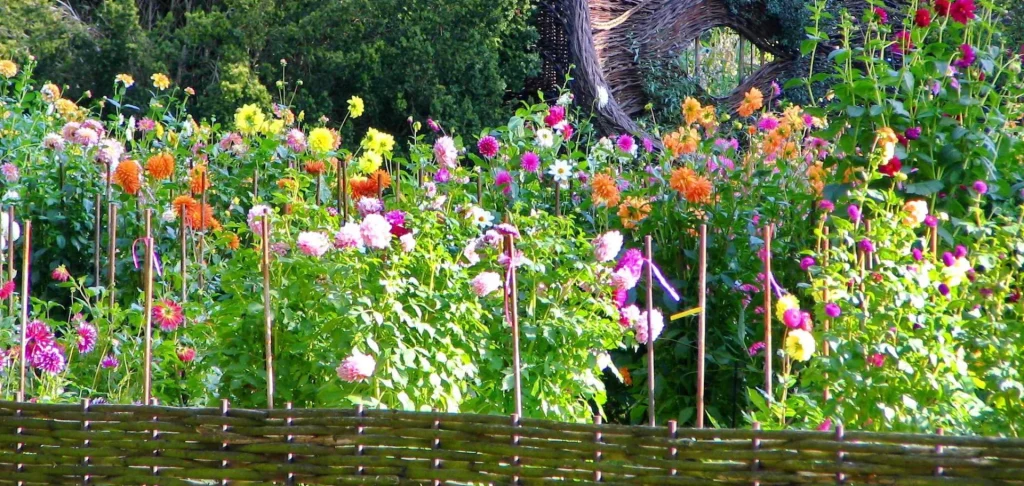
(156, 257)
(661, 279)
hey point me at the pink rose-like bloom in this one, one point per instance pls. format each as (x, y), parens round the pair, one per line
(255, 217)
(10, 172)
(356, 367)
(109, 361)
(376, 231)
(86, 137)
(186, 355)
(96, 126)
(442, 175)
(61, 274)
(530, 162)
(607, 246)
(296, 140)
(485, 283)
(69, 129)
(396, 217)
(806, 263)
(491, 238)
(446, 153)
(877, 360)
(619, 297)
(7, 290)
(853, 211)
(628, 316)
(624, 279)
(369, 205)
(87, 336)
(980, 187)
(53, 142)
(792, 318)
(313, 243)
(408, 242)
(556, 114)
(488, 146)
(826, 206)
(967, 57)
(349, 236)
(640, 326)
(832, 310)
(825, 426)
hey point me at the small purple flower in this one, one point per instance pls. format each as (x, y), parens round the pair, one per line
(967, 57)
(826, 206)
(806, 263)
(853, 211)
(648, 145)
(944, 289)
(866, 246)
(756, 348)
(396, 217)
(87, 336)
(832, 310)
(931, 221)
(913, 133)
(433, 125)
(792, 318)
(980, 187)
(488, 146)
(917, 254)
(776, 90)
(960, 251)
(985, 293)
(529, 162)
(442, 175)
(626, 144)
(109, 361)
(948, 259)
(768, 123)
(507, 230)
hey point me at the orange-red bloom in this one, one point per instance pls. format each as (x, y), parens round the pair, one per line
(200, 181)
(315, 167)
(605, 191)
(127, 176)
(160, 166)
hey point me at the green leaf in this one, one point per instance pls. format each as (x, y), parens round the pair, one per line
(926, 188)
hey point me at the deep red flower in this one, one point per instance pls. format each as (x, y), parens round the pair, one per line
(942, 7)
(923, 18)
(883, 16)
(186, 355)
(962, 11)
(7, 290)
(891, 167)
(903, 43)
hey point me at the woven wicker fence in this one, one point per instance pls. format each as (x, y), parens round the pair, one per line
(124, 444)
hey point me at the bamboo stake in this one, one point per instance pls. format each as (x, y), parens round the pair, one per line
(202, 234)
(768, 310)
(112, 252)
(340, 185)
(512, 301)
(343, 196)
(380, 190)
(267, 317)
(147, 275)
(26, 258)
(96, 241)
(316, 198)
(650, 335)
(10, 252)
(184, 260)
(701, 322)
(826, 244)
(398, 182)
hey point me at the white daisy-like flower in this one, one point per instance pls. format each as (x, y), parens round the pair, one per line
(481, 217)
(561, 170)
(545, 138)
(602, 97)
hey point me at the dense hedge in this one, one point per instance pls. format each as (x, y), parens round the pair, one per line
(456, 60)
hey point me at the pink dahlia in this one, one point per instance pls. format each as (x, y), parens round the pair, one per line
(881, 15)
(626, 144)
(903, 43)
(556, 114)
(376, 231)
(145, 125)
(446, 153)
(48, 359)
(313, 243)
(756, 348)
(61, 274)
(922, 18)
(10, 172)
(69, 129)
(109, 361)
(485, 283)
(607, 246)
(768, 123)
(962, 11)
(96, 126)
(792, 318)
(396, 217)
(356, 367)
(877, 360)
(488, 146)
(54, 142)
(530, 162)
(255, 217)
(86, 137)
(87, 336)
(408, 242)
(369, 205)
(348, 236)
(186, 355)
(296, 140)
(628, 316)
(656, 325)
(7, 290)
(168, 315)
(504, 180)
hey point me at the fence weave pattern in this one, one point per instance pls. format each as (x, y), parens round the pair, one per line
(123, 444)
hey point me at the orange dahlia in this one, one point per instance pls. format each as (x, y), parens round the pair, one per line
(315, 167)
(632, 211)
(199, 182)
(184, 205)
(681, 177)
(286, 183)
(698, 190)
(605, 191)
(362, 187)
(381, 176)
(127, 176)
(233, 241)
(200, 218)
(753, 100)
(160, 166)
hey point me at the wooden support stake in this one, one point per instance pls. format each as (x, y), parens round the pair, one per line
(768, 311)
(939, 471)
(224, 404)
(96, 251)
(755, 465)
(26, 260)
(111, 257)
(840, 457)
(673, 452)
(289, 439)
(597, 454)
(512, 305)
(739, 61)
(147, 275)
(343, 196)
(316, 197)
(10, 252)
(380, 189)
(340, 186)
(184, 259)
(202, 235)
(648, 252)
(479, 187)
(702, 288)
(268, 319)
(85, 442)
(515, 443)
